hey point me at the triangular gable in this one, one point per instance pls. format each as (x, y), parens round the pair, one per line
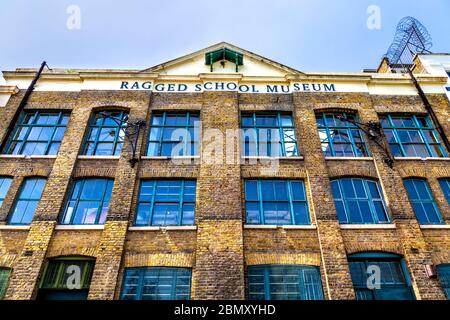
(253, 65)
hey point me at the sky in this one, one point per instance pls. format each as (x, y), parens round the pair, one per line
(308, 35)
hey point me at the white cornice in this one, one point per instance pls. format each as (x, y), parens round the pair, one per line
(9, 89)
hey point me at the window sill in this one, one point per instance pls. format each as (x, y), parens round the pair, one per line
(169, 228)
(350, 158)
(14, 228)
(381, 226)
(421, 159)
(435, 226)
(168, 158)
(13, 156)
(99, 157)
(79, 227)
(273, 227)
(272, 158)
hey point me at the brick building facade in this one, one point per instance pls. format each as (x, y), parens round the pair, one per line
(222, 245)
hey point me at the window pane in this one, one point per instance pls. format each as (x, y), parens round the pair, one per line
(251, 190)
(445, 185)
(253, 216)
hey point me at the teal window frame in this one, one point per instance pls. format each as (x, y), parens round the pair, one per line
(443, 271)
(251, 203)
(74, 199)
(23, 134)
(105, 131)
(136, 279)
(31, 198)
(5, 184)
(445, 186)
(421, 131)
(354, 135)
(299, 282)
(183, 202)
(420, 204)
(394, 262)
(255, 132)
(341, 201)
(5, 274)
(156, 135)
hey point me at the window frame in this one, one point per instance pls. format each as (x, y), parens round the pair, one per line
(444, 183)
(142, 271)
(8, 180)
(77, 201)
(36, 114)
(19, 198)
(432, 201)
(5, 273)
(348, 127)
(417, 127)
(267, 268)
(444, 283)
(152, 203)
(290, 201)
(160, 141)
(370, 199)
(280, 129)
(86, 277)
(117, 136)
(367, 257)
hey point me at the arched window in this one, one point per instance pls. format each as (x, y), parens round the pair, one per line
(359, 200)
(105, 134)
(26, 203)
(4, 280)
(156, 283)
(423, 202)
(284, 282)
(380, 276)
(88, 201)
(66, 278)
(5, 183)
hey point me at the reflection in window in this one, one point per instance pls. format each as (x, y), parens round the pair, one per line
(359, 200)
(88, 201)
(340, 138)
(156, 284)
(27, 201)
(422, 200)
(105, 136)
(284, 282)
(412, 136)
(174, 134)
(271, 135)
(276, 202)
(5, 183)
(166, 203)
(38, 133)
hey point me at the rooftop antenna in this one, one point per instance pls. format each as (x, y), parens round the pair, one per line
(411, 38)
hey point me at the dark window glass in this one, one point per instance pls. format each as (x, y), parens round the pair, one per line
(284, 282)
(4, 280)
(444, 277)
(88, 202)
(27, 201)
(59, 282)
(394, 282)
(412, 136)
(166, 203)
(359, 200)
(423, 203)
(445, 185)
(5, 183)
(340, 138)
(105, 135)
(174, 134)
(38, 133)
(156, 284)
(271, 135)
(276, 202)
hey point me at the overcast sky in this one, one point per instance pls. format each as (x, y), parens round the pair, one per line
(309, 35)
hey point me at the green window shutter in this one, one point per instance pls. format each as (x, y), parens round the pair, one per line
(56, 274)
(4, 279)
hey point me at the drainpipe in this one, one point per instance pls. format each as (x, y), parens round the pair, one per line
(23, 104)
